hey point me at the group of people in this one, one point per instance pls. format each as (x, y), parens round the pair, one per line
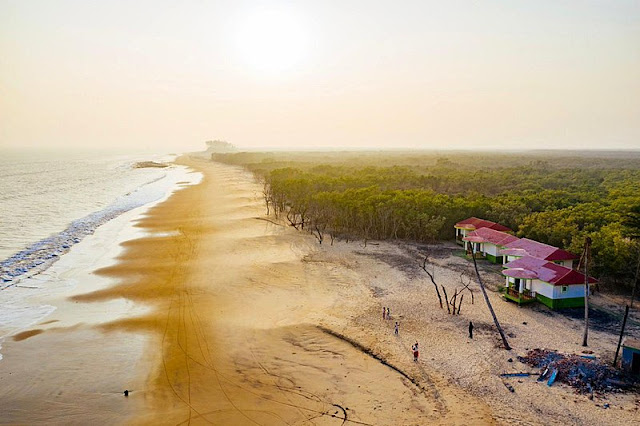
(386, 314)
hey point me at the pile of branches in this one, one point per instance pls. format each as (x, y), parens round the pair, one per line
(586, 375)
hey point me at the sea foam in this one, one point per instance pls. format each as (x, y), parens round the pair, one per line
(42, 254)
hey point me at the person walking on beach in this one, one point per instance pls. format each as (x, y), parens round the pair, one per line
(384, 312)
(396, 328)
(388, 313)
(414, 348)
(470, 330)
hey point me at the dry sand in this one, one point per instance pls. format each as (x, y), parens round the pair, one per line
(251, 322)
(476, 364)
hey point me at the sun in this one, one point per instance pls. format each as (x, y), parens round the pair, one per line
(272, 41)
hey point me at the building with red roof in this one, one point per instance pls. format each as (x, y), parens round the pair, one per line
(526, 247)
(472, 224)
(531, 278)
(488, 242)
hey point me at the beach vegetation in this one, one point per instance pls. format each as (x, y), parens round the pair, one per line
(559, 200)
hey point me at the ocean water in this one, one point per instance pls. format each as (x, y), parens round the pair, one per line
(50, 204)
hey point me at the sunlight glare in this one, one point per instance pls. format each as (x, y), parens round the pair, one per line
(272, 41)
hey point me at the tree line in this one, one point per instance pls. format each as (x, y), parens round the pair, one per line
(538, 199)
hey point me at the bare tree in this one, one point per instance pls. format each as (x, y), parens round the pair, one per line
(446, 299)
(486, 298)
(431, 276)
(465, 286)
(318, 234)
(266, 193)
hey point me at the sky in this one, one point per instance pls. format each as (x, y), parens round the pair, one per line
(169, 75)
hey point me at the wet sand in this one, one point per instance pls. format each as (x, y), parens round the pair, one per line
(237, 328)
(235, 322)
(220, 315)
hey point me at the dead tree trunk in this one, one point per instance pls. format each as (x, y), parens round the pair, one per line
(446, 299)
(486, 298)
(318, 235)
(460, 303)
(266, 193)
(424, 268)
(466, 287)
(453, 301)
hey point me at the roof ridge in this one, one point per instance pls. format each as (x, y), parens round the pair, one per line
(563, 275)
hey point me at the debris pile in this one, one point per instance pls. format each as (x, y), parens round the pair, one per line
(587, 375)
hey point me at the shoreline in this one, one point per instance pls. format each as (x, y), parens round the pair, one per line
(57, 356)
(38, 256)
(241, 320)
(234, 321)
(45, 275)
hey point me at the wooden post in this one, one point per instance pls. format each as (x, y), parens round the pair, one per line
(624, 323)
(486, 298)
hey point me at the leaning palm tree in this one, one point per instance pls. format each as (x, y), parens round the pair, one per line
(486, 299)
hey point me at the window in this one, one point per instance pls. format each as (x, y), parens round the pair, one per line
(564, 288)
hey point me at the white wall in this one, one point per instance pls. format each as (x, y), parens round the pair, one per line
(543, 288)
(491, 249)
(576, 290)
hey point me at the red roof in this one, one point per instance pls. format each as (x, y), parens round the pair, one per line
(540, 250)
(549, 272)
(520, 273)
(488, 235)
(475, 223)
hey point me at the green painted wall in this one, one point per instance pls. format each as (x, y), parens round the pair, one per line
(572, 302)
(494, 259)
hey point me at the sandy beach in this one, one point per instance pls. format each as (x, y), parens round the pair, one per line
(228, 317)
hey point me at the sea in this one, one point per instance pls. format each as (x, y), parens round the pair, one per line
(51, 201)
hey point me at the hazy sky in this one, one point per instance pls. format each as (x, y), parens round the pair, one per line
(319, 74)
